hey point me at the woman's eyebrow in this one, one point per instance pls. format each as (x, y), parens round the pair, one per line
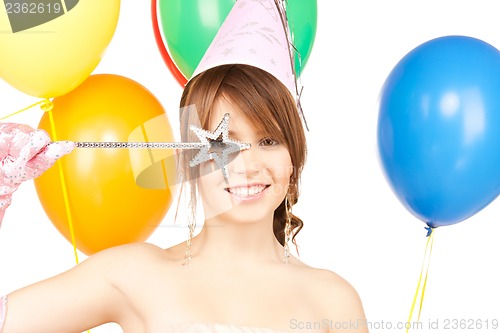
(258, 133)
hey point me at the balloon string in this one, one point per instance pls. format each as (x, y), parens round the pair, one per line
(145, 135)
(44, 102)
(47, 107)
(63, 185)
(427, 259)
(426, 274)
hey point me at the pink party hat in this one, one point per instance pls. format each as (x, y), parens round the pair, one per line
(254, 33)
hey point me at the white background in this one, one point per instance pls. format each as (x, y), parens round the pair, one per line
(354, 225)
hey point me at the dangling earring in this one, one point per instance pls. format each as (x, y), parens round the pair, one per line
(288, 227)
(187, 255)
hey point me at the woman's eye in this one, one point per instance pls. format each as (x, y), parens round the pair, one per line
(268, 142)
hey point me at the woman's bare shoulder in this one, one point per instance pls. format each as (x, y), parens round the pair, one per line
(338, 298)
(326, 281)
(333, 281)
(128, 256)
(127, 266)
(127, 252)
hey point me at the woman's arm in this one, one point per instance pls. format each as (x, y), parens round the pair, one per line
(74, 301)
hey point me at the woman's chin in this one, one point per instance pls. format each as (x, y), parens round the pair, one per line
(239, 215)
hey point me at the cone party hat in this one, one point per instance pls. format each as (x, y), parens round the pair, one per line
(254, 33)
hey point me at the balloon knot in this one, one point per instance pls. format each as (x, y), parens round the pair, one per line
(47, 105)
(429, 231)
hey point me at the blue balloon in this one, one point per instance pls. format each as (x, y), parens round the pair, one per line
(439, 129)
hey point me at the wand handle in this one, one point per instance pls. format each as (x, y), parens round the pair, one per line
(143, 145)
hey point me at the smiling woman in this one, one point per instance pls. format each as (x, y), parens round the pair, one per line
(264, 114)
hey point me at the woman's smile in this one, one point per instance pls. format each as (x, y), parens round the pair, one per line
(249, 192)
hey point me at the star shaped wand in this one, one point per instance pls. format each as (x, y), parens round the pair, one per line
(26, 153)
(215, 145)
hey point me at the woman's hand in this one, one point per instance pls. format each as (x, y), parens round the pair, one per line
(25, 153)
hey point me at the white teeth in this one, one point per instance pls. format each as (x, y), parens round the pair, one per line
(246, 191)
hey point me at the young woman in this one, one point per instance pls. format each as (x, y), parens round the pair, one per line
(236, 275)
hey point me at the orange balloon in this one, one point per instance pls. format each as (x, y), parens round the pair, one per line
(105, 204)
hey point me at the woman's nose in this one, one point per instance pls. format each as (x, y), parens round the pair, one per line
(247, 162)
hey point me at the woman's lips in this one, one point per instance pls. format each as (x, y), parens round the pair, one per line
(247, 192)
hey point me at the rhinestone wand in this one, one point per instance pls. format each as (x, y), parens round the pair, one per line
(214, 145)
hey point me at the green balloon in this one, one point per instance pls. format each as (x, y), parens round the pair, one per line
(189, 26)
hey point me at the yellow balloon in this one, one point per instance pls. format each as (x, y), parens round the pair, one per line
(48, 48)
(110, 196)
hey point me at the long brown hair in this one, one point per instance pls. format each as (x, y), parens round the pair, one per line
(266, 103)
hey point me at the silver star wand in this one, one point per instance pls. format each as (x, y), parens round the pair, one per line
(215, 145)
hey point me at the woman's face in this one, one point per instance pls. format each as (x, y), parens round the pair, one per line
(258, 177)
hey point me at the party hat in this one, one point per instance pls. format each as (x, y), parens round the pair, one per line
(254, 33)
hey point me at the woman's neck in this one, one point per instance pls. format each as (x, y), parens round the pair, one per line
(237, 242)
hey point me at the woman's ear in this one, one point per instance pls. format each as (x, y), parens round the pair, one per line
(292, 179)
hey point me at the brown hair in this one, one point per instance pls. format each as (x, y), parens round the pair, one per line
(266, 103)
